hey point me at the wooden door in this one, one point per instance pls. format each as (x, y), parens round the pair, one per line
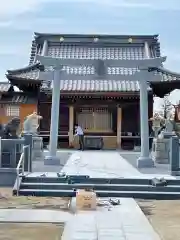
(45, 112)
(64, 119)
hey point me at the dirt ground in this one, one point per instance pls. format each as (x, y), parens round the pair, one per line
(30, 231)
(164, 216)
(9, 201)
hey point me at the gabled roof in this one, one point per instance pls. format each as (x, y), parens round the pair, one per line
(76, 46)
(17, 98)
(129, 42)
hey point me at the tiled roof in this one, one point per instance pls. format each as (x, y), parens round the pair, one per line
(76, 45)
(70, 51)
(17, 98)
(4, 86)
(81, 50)
(84, 85)
(67, 51)
(95, 86)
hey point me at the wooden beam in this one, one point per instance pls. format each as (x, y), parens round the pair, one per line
(71, 124)
(119, 124)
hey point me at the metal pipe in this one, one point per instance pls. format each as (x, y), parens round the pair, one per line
(29, 160)
(0, 152)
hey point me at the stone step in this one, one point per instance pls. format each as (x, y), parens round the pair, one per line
(84, 179)
(100, 187)
(128, 194)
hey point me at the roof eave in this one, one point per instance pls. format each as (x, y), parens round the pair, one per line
(11, 77)
(75, 92)
(25, 69)
(37, 34)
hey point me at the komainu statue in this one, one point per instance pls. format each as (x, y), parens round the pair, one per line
(30, 126)
(31, 123)
(157, 123)
(11, 129)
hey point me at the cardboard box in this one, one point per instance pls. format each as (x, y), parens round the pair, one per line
(85, 200)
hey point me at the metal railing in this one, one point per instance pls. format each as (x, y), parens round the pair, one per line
(20, 166)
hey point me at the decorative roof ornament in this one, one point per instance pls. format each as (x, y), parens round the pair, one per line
(61, 39)
(96, 39)
(130, 40)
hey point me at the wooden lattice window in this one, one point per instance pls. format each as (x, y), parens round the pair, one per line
(95, 119)
(12, 111)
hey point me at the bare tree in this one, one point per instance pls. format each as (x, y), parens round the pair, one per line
(167, 107)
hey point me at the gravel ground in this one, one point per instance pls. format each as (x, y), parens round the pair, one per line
(9, 231)
(9, 201)
(30, 231)
(164, 216)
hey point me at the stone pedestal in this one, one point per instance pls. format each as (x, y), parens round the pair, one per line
(160, 150)
(37, 150)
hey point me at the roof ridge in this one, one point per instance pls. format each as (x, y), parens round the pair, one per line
(38, 34)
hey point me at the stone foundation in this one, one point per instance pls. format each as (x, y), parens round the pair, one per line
(7, 177)
(160, 150)
(109, 142)
(37, 150)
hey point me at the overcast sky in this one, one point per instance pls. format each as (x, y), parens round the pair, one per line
(20, 18)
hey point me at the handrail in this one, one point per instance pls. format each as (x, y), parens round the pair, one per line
(21, 163)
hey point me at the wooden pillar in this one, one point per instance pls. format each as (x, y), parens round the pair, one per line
(119, 122)
(71, 124)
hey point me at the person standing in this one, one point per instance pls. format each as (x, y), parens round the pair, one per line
(79, 132)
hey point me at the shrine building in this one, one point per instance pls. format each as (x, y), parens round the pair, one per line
(102, 106)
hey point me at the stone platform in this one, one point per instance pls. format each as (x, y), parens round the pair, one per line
(123, 222)
(99, 164)
(33, 216)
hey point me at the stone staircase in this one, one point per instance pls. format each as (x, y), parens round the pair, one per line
(104, 187)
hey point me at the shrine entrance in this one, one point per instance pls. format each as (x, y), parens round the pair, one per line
(95, 119)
